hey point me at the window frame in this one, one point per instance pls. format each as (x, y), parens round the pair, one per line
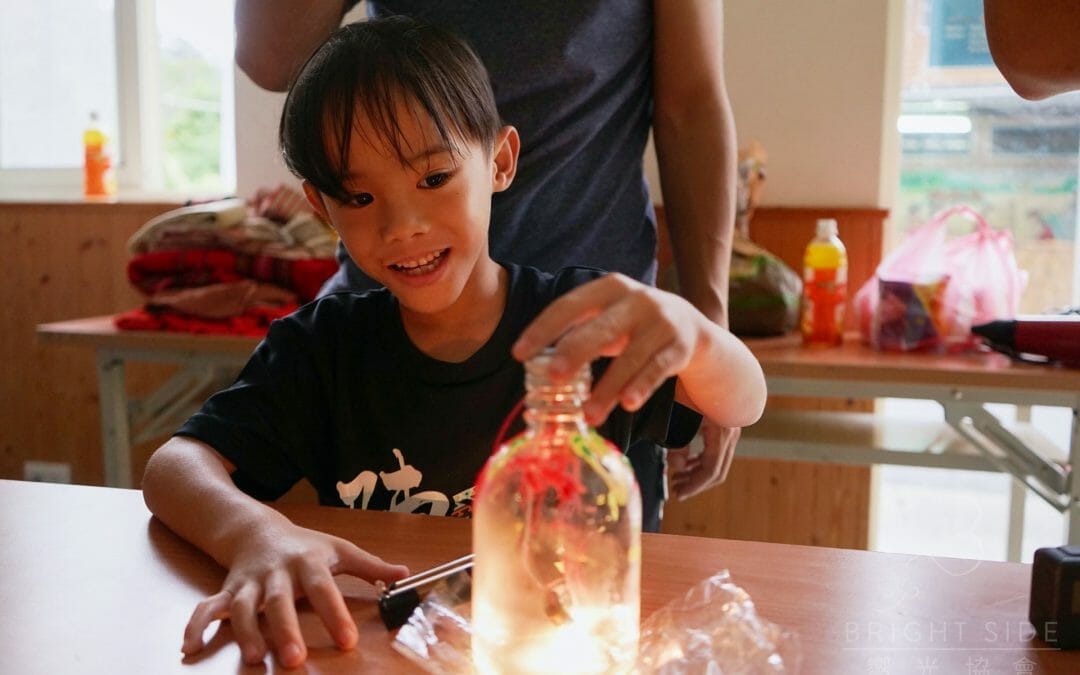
(139, 170)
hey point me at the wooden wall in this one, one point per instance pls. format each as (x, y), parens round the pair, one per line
(793, 502)
(62, 261)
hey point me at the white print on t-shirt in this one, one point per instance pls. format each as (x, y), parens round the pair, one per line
(363, 484)
(400, 483)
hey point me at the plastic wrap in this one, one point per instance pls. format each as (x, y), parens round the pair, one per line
(438, 636)
(713, 629)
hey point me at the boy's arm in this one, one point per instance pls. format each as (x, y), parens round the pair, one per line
(275, 37)
(270, 560)
(651, 335)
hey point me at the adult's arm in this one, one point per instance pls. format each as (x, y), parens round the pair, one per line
(1035, 44)
(275, 37)
(697, 153)
(694, 131)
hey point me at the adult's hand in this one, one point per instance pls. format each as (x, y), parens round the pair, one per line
(691, 475)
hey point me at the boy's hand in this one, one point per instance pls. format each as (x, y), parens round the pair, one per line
(651, 334)
(268, 574)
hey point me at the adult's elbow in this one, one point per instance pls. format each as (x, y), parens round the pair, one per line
(1036, 85)
(263, 68)
(1035, 48)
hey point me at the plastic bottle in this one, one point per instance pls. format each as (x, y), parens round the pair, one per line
(557, 538)
(97, 166)
(824, 287)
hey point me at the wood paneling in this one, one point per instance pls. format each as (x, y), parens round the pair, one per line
(792, 502)
(62, 261)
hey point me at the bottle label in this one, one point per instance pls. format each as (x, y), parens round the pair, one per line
(97, 170)
(824, 294)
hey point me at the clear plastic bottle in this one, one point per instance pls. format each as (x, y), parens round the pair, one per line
(557, 538)
(97, 166)
(824, 287)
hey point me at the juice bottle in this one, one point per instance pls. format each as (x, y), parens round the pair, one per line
(557, 538)
(824, 287)
(97, 167)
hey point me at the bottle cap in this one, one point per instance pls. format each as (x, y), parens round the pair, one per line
(536, 368)
(826, 227)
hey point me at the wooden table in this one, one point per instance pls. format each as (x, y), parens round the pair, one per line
(91, 583)
(972, 436)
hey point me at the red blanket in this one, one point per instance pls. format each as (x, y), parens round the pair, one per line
(253, 322)
(161, 270)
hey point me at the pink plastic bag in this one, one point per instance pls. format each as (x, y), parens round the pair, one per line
(928, 292)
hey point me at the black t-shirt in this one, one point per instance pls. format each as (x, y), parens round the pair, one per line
(338, 395)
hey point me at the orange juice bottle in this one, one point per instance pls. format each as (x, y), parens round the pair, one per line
(824, 287)
(97, 167)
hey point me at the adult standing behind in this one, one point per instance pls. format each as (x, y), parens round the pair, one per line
(583, 82)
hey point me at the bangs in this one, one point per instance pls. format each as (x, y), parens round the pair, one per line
(356, 83)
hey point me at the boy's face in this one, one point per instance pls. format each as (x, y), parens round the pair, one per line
(421, 228)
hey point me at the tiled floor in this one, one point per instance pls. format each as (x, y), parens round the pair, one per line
(962, 514)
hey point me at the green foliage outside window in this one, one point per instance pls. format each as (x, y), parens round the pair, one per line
(191, 120)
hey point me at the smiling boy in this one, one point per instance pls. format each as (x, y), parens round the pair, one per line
(391, 399)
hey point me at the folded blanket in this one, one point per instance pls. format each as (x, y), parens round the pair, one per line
(164, 270)
(221, 301)
(156, 272)
(229, 267)
(253, 322)
(201, 219)
(291, 232)
(305, 277)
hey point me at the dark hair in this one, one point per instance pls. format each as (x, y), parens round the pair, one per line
(364, 69)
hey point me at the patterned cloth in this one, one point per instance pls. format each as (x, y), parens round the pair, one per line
(226, 267)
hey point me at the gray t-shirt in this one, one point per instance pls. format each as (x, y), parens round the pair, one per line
(575, 78)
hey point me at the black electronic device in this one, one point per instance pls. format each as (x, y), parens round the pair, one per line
(1055, 596)
(398, 600)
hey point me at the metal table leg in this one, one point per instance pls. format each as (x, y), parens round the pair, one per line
(115, 425)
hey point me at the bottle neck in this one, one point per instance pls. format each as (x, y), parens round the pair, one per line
(554, 409)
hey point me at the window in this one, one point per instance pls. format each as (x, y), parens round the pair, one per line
(158, 74)
(967, 138)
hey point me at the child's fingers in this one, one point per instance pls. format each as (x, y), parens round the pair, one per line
(214, 608)
(608, 333)
(359, 563)
(632, 376)
(325, 597)
(574, 308)
(652, 354)
(279, 606)
(244, 618)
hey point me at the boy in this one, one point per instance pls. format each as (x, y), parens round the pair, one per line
(391, 399)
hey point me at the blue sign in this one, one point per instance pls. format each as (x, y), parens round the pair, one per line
(957, 34)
